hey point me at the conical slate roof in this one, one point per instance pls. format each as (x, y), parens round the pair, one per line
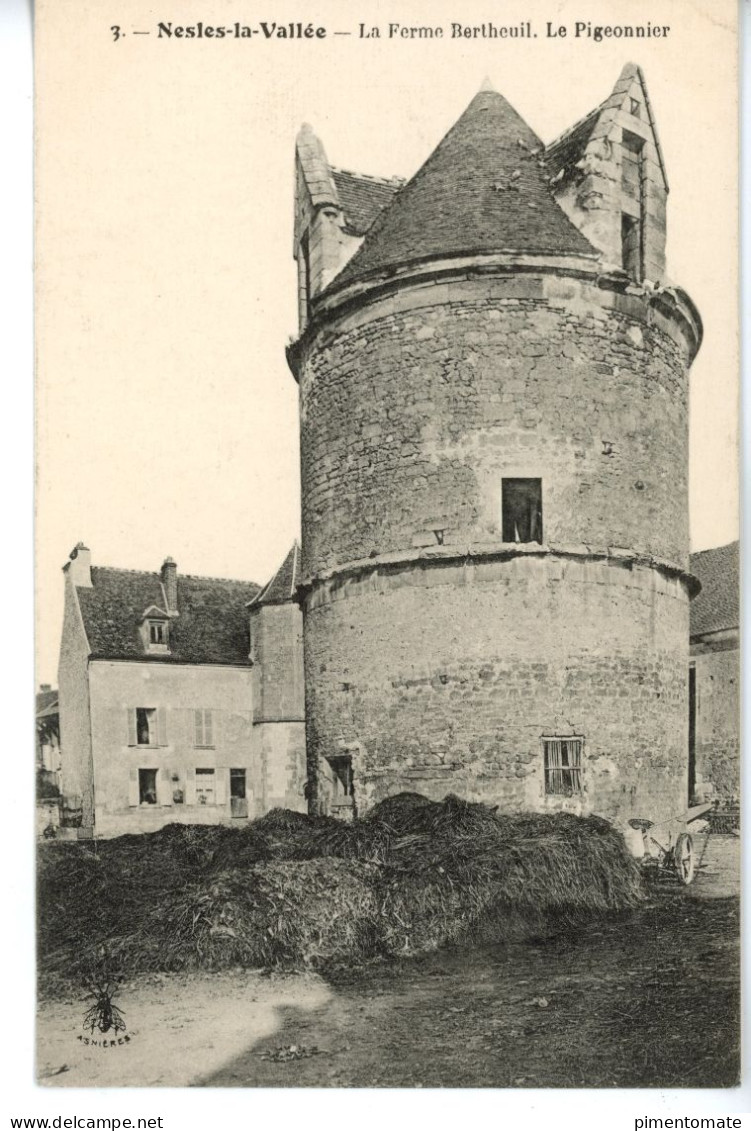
(483, 189)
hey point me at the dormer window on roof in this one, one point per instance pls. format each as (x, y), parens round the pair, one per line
(157, 636)
(155, 631)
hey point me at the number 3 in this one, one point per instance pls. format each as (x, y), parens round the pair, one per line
(115, 29)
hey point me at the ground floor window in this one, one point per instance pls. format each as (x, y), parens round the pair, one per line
(343, 794)
(205, 787)
(563, 765)
(147, 787)
(238, 794)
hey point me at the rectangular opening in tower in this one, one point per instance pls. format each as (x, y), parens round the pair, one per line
(343, 782)
(633, 205)
(631, 246)
(304, 280)
(521, 510)
(562, 765)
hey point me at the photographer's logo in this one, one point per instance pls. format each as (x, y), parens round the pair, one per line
(104, 1020)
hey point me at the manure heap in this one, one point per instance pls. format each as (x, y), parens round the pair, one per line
(289, 891)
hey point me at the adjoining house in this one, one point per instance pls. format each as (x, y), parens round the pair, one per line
(47, 735)
(47, 759)
(714, 677)
(158, 719)
(278, 686)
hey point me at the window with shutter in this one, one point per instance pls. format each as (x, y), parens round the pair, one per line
(143, 727)
(205, 787)
(164, 788)
(147, 787)
(204, 727)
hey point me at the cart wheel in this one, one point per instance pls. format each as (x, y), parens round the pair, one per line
(683, 856)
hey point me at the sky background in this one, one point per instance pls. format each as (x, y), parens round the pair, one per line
(166, 293)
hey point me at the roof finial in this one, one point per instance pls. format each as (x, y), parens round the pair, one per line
(487, 86)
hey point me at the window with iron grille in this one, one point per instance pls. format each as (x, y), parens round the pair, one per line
(563, 765)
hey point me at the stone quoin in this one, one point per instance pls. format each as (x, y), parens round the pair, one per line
(493, 381)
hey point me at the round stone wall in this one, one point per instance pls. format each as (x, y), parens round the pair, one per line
(415, 406)
(448, 677)
(438, 657)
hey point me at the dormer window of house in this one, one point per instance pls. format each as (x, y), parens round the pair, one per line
(156, 632)
(635, 107)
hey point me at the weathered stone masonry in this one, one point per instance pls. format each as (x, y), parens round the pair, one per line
(443, 677)
(410, 418)
(438, 657)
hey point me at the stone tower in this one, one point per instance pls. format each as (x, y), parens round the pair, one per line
(494, 427)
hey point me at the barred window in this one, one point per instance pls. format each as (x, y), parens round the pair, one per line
(563, 765)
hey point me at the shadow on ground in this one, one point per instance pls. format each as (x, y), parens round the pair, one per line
(651, 999)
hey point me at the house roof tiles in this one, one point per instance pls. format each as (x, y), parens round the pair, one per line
(362, 198)
(717, 607)
(46, 703)
(211, 627)
(562, 155)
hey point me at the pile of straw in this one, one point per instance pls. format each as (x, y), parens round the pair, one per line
(294, 891)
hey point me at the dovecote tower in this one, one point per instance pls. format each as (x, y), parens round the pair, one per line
(493, 383)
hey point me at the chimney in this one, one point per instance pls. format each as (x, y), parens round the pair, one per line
(79, 566)
(169, 581)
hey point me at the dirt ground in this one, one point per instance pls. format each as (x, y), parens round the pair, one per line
(649, 999)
